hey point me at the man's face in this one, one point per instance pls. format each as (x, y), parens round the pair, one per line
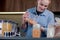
(42, 5)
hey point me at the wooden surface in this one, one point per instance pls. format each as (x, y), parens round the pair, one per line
(23, 5)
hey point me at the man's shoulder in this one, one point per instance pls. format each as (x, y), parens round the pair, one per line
(49, 12)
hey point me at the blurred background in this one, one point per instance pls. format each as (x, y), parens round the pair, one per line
(22, 5)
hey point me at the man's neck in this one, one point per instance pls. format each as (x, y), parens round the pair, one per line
(38, 12)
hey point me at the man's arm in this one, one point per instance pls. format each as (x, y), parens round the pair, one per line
(27, 19)
(50, 22)
(51, 19)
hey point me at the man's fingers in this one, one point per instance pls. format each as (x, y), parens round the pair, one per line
(42, 28)
(26, 15)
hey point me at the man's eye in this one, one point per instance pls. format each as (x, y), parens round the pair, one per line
(41, 4)
(45, 5)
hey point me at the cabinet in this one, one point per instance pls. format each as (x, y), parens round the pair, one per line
(23, 5)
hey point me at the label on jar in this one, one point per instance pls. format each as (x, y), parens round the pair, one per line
(36, 31)
(50, 31)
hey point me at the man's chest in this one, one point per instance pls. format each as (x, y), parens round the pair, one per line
(42, 20)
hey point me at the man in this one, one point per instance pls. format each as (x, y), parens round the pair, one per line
(38, 15)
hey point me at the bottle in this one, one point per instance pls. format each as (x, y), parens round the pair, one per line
(50, 31)
(36, 31)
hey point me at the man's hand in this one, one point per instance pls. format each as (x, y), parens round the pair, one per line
(27, 19)
(42, 28)
(24, 20)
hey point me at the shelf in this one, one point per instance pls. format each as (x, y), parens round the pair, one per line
(12, 12)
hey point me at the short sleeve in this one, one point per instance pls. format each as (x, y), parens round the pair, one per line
(51, 20)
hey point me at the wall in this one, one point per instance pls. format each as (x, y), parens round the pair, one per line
(17, 18)
(23, 5)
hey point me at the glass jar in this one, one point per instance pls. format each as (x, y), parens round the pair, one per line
(50, 31)
(36, 31)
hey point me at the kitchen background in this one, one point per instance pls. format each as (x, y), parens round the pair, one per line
(22, 6)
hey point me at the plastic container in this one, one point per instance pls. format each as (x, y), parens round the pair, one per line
(36, 31)
(50, 31)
